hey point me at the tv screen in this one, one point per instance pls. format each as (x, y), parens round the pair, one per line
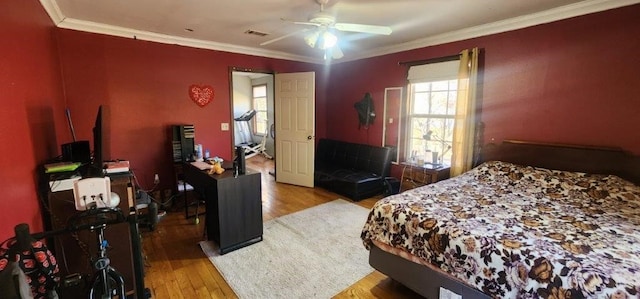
(100, 140)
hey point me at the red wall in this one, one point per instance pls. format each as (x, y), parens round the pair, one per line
(30, 99)
(573, 81)
(145, 87)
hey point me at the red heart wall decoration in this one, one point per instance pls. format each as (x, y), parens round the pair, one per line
(201, 95)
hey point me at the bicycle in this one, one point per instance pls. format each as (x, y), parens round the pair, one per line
(107, 282)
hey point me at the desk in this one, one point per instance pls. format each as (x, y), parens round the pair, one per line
(414, 175)
(234, 206)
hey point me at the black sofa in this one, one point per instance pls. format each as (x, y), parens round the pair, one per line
(354, 170)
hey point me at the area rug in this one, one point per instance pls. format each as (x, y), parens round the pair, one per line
(314, 253)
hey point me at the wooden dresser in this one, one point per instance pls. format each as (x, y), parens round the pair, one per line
(414, 175)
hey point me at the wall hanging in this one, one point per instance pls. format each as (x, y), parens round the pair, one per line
(366, 112)
(201, 94)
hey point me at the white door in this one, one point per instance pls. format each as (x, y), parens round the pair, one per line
(295, 128)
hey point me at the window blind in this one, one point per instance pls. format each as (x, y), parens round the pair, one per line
(439, 71)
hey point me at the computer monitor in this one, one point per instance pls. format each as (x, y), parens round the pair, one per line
(239, 161)
(100, 142)
(97, 140)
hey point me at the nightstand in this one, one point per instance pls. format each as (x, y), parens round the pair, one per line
(414, 175)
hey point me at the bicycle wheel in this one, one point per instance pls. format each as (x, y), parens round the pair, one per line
(114, 288)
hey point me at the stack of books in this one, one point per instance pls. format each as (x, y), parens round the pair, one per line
(61, 167)
(116, 166)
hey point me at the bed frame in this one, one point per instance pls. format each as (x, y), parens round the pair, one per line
(589, 159)
(601, 160)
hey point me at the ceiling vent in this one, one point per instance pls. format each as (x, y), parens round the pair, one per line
(257, 33)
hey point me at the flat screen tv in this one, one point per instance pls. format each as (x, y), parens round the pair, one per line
(100, 139)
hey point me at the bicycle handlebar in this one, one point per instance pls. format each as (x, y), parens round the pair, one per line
(100, 216)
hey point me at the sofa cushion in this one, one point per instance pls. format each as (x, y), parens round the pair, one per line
(374, 159)
(351, 169)
(347, 175)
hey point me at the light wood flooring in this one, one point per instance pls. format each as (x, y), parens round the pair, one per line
(176, 267)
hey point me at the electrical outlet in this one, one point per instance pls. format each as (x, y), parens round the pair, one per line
(156, 179)
(224, 126)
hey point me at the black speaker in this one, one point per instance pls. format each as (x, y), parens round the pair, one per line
(78, 151)
(240, 161)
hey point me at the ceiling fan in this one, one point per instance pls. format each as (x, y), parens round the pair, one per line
(323, 36)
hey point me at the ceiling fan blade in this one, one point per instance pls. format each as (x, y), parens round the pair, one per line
(306, 23)
(282, 37)
(300, 22)
(373, 29)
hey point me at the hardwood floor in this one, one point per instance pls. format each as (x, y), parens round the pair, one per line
(176, 267)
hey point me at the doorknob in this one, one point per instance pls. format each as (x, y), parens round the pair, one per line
(309, 137)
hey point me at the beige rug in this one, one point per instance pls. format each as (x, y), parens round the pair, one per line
(314, 253)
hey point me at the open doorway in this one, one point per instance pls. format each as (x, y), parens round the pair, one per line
(291, 119)
(252, 102)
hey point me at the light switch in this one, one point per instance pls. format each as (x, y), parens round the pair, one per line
(224, 126)
(391, 120)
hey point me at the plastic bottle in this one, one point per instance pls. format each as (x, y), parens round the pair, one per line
(199, 152)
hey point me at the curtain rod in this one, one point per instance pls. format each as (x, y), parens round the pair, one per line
(430, 60)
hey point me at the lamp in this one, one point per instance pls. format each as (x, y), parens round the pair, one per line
(312, 39)
(323, 39)
(437, 159)
(328, 40)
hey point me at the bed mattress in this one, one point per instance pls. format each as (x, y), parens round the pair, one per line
(520, 232)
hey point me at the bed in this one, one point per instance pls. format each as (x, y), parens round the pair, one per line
(533, 221)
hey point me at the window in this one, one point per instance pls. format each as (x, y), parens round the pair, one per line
(433, 90)
(260, 106)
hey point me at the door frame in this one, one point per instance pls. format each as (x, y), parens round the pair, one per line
(233, 69)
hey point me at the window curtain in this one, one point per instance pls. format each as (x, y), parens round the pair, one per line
(465, 119)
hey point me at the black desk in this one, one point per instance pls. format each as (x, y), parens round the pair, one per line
(234, 206)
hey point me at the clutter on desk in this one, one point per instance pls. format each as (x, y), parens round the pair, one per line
(201, 165)
(198, 153)
(61, 167)
(216, 168)
(116, 166)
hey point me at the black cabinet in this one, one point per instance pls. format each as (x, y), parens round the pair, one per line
(182, 142)
(234, 206)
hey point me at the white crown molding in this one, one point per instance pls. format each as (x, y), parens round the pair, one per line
(548, 16)
(86, 26)
(52, 8)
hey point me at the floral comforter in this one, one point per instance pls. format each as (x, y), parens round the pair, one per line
(521, 232)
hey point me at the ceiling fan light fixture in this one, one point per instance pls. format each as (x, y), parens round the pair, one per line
(328, 40)
(333, 53)
(321, 39)
(312, 39)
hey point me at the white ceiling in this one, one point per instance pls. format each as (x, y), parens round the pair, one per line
(220, 24)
